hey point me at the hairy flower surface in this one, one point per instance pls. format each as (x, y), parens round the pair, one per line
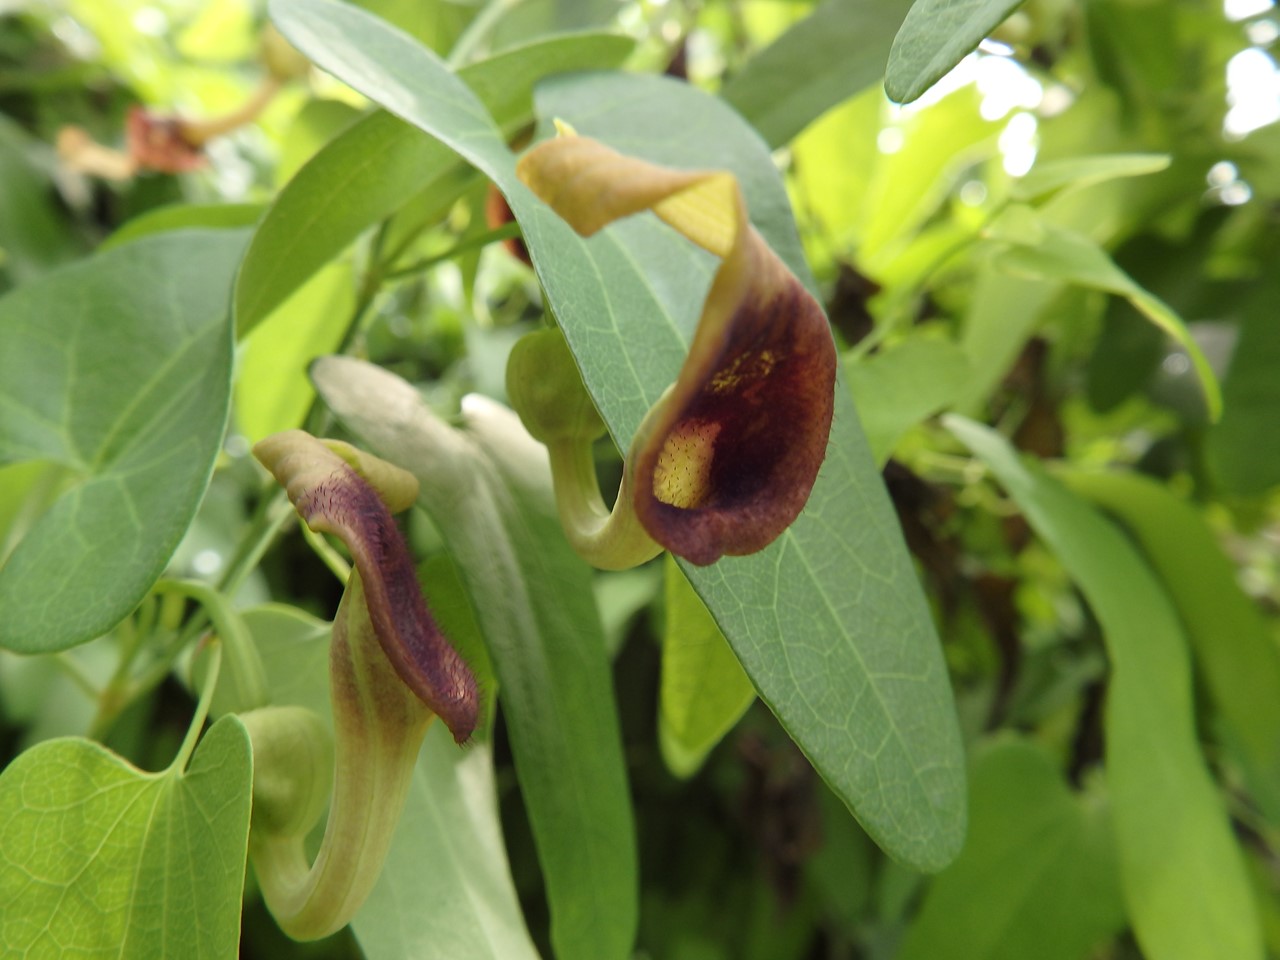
(337, 489)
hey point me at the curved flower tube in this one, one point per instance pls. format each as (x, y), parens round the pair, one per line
(379, 725)
(332, 485)
(726, 459)
(545, 389)
(390, 672)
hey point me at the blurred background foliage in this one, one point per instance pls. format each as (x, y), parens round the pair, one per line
(913, 218)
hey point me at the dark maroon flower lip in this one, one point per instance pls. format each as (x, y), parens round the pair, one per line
(727, 458)
(332, 497)
(731, 460)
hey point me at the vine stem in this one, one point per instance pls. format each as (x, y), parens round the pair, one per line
(246, 665)
(504, 232)
(202, 711)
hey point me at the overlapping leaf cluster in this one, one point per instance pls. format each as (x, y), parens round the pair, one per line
(753, 758)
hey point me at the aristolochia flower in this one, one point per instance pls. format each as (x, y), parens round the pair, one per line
(390, 672)
(726, 459)
(340, 490)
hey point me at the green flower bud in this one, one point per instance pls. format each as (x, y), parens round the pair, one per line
(292, 769)
(546, 390)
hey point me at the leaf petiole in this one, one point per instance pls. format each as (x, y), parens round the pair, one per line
(202, 712)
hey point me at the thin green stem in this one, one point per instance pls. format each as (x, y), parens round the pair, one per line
(371, 282)
(202, 711)
(67, 663)
(266, 525)
(336, 563)
(143, 624)
(247, 671)
(504, 232)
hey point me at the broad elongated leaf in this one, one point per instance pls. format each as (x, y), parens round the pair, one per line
(829, 622)
(1037, 877)
(185, 216)
(826, 58)
(488, 490)
(318, 122)
(1243, 459)
(464, 904)
(1004, 310)
(1182, 873)
(704, 690)
(445, 890)
(1237, 655)
(935, 36)
(1079, 172)
(377, 165)
(272, 391)
(118, 367)
(900, 386)
(1045, 251)
(102, 859)
(33, 234)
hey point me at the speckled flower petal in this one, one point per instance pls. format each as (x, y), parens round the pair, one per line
(726, 460)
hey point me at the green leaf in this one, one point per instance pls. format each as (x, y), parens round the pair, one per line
(907, 188)
(295, 655)
(1243, 461)
(902, 385)
(1231, 641)
(272, 392)
(445, 890)
(102, 859)
(1037, 877)
(704, 691)
(450, 604)
(834, 161)
(1181, 870)
(935, 36)
(861, 687)
(488, 489)
(1062, 254)
(1003, 312)
(119, 368)
(537, 18)
(435, 23)
(184, 216)
(317, 123)
(34, 234)
(1078, 172)
(838, 50)
(379, 164)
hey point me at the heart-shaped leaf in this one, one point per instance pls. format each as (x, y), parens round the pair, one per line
(119, 369)
(102, 859)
